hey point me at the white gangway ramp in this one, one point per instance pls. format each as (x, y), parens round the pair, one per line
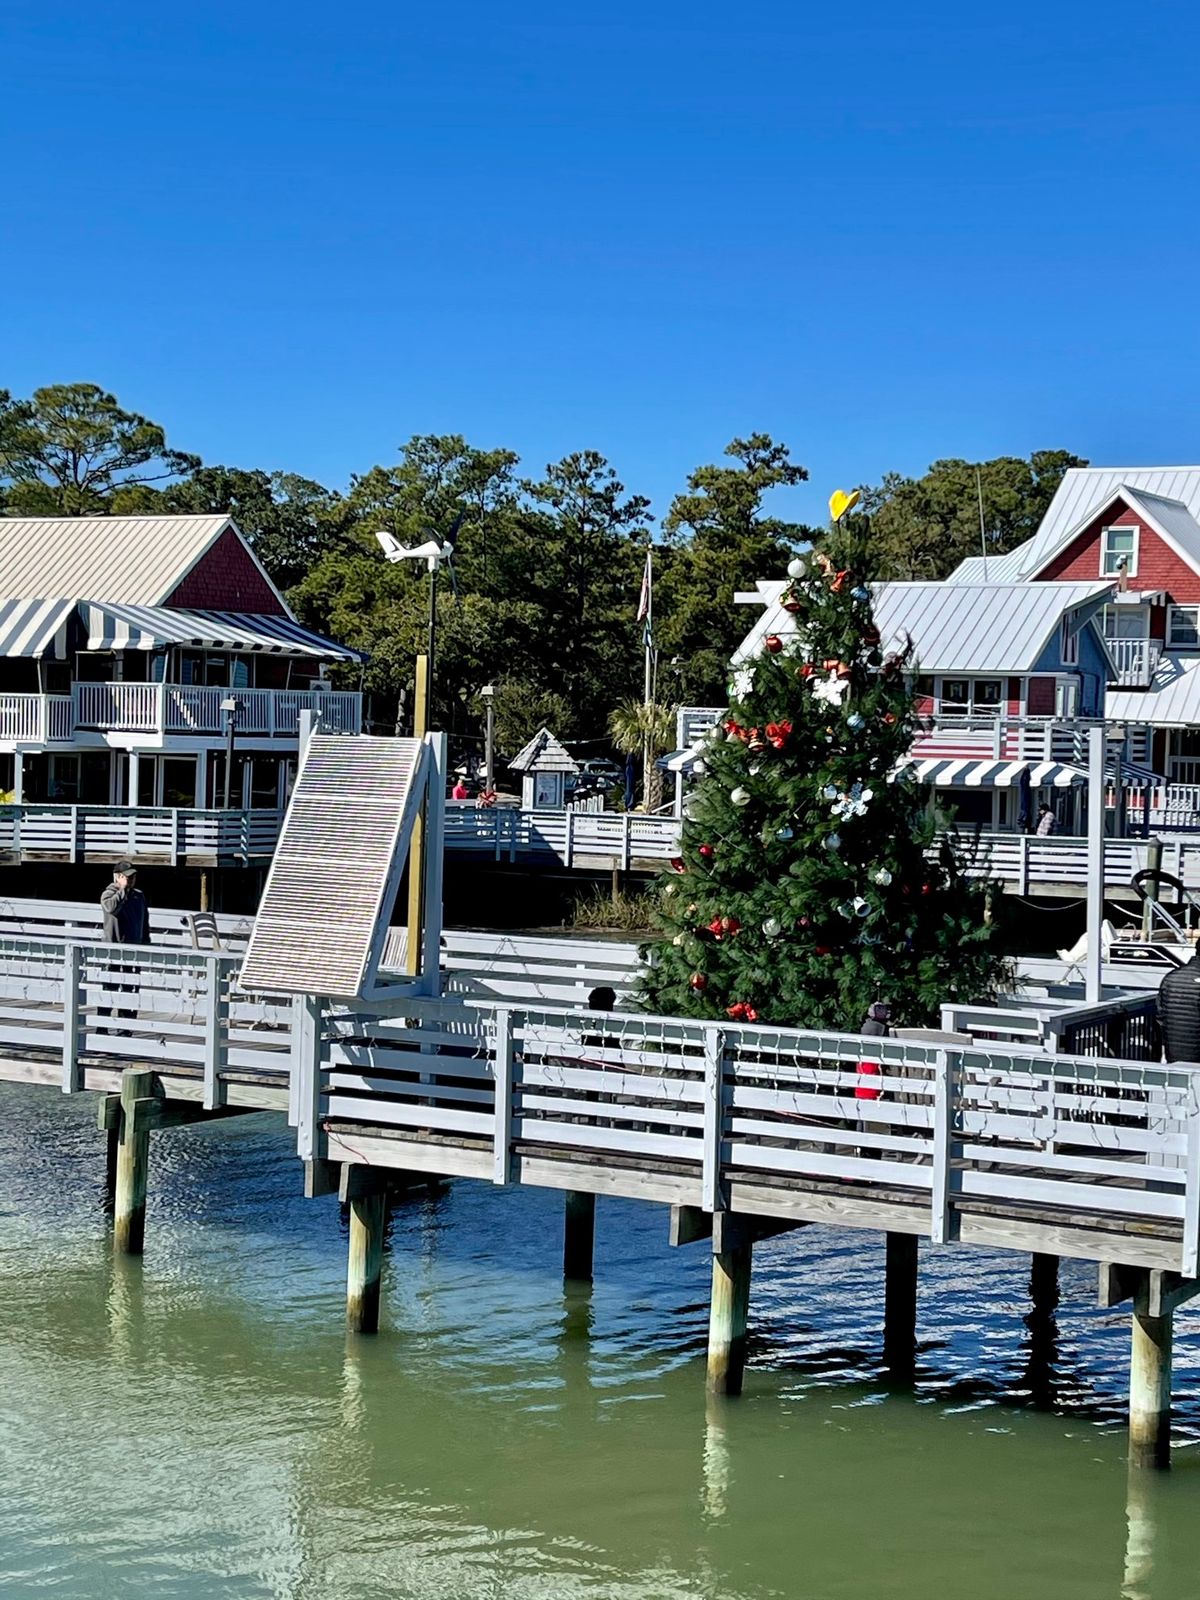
(332, 885)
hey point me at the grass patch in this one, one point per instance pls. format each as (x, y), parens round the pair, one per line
(599, 909)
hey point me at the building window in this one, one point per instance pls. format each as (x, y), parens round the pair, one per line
(1183, 628)
(971, 697)
(1126, 622)
(1118, 547)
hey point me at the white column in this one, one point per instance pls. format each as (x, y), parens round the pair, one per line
(201, 762)
(1095, 883)
(133, 777)
(19, 778)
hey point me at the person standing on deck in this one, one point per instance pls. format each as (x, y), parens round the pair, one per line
(1047, 823)
(126, 918)
(1179, 1012)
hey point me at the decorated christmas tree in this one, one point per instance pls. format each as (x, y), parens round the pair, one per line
(805, 888)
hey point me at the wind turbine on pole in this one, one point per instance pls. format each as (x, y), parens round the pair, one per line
(435, 552)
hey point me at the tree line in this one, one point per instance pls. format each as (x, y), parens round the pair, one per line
(548, 564)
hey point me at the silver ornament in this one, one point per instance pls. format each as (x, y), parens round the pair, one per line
(796, 568)
(772, 928)
(739, 797)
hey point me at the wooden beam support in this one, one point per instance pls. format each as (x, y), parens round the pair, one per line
(579, 1235)
(727, 1319)
(900, 1306)
(321, 1178)
(1166, 1291)
(368, 1222)
(688, 1225)
(1043, 1283)
(1149, 1383)
(155, 1112)
(732, 1230)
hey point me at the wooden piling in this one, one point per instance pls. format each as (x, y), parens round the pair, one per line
(1149, 1383)
(900, 1305)
(1043, 1284)
(112, 1140)
(727, 1318)
(368, 1219)
(133, 1160)
(579, 1235)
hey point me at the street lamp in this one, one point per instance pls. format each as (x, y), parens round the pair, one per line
(229, 711)
(488, 695)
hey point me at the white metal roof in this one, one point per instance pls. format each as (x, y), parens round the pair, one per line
(129, 560)
(992, 569)
(543, 753)
(1085, 490)
(1171, 701)
(958, 627)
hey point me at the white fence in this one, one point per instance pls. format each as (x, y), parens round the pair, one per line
(146, 834)
(1097, 1145)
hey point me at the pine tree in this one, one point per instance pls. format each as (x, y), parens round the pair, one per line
(803, 890)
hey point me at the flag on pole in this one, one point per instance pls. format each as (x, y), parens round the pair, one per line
(645, 599)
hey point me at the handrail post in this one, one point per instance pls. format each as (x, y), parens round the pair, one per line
(506, 1023)
(626, 848)
(73, 843)
(1190, 1264)
(216, 1032)
(569, 836)
(940, 1220)
(306, 1074)
(714, 1118)
(72, 1072)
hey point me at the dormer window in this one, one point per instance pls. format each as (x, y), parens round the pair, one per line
(1118, 552)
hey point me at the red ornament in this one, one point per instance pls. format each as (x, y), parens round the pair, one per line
(791, 603)
(714, 927)
(803, 922)
(730, 925)
(706, 852)
(889, 717)
(926, 888)
(805, 671)
(822, 950)
(773, 643)
(678, 864)
(698, 981)
(839, 582)
(742, 1011)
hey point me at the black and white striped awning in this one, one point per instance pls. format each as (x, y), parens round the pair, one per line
(35, 627)
(949, 774)
(120, 627)
(678, 761)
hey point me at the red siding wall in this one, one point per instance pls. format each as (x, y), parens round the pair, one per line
(1158, 567)
(226, 579)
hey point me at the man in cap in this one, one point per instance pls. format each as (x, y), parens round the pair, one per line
(126, 919)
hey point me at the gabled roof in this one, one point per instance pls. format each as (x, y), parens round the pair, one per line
(1170, 519)
(960, 627)
(543, 753)
(136, 561)
(1085, 491)
(990, 569)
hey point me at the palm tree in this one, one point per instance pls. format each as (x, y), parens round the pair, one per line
(648, 731)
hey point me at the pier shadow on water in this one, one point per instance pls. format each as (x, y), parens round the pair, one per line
(198, 1424)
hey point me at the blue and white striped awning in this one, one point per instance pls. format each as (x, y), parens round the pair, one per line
(120, 627)
(948, 774)
(35, 627)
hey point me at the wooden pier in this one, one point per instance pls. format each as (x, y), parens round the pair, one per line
(738, 1132)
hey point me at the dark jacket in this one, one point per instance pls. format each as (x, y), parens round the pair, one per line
(126, 919)
(1179, 1012)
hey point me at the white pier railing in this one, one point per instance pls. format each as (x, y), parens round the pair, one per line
(146, 834)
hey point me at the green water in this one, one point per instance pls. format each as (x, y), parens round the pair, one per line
(198, 1424)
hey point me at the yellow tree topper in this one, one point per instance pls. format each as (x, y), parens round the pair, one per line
(840, 502)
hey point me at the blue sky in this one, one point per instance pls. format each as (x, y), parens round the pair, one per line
(297, 234)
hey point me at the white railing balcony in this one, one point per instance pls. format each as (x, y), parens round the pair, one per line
(193, 709)
(35, 718)
(1135, 661)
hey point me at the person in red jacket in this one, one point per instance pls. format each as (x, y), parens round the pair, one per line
(877, 1025)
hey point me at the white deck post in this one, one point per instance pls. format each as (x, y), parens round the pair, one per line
(503, 1084)
(72, 1074)
(306, 1074)
(1093, 972)
(714, 1097)
(433, 865)
(216, 1032)
(943, 1122)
